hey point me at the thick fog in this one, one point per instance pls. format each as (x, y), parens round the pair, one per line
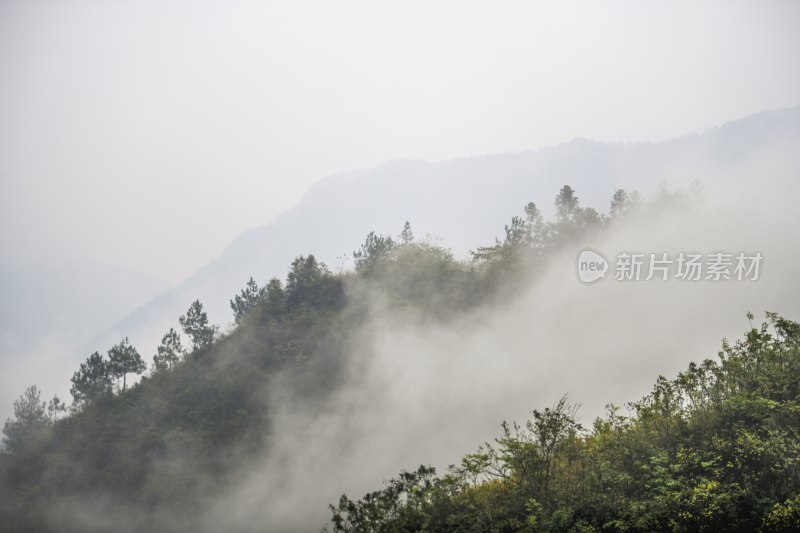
(419, 392)
(139, 139)
(423, 394)
(149, 134)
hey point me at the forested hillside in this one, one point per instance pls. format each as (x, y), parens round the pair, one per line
(712, 449)
(716, 448)
(336, 213)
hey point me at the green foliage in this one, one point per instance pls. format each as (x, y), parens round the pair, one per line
(624, 205)
(406, 236)
(374, 249)
(124, 359)
(195, 324)
(416, 276)
(92, 380)
(169, 352)
(572, 220)
(166, 440)
(784, 516)
(246, 300)
(567, 205)
(529, 240)
(31, 417)
(310, 284)
(715, 449)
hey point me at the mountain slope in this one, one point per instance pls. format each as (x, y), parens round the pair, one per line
(331, 383)
(468, 200)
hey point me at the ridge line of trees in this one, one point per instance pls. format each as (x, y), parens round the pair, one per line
(203, 400)
(527, 238)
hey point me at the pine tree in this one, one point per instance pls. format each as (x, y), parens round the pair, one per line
(169, 352)
(195, 324)
(407, 236)
(92, 380)
(243, 302)
(30, 414)
(124, 359)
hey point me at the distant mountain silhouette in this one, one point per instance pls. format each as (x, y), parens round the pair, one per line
(466, 199)
(49, 310)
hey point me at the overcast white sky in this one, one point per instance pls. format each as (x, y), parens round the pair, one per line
(150, 134)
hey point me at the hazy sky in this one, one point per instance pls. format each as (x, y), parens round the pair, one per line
(150, 134)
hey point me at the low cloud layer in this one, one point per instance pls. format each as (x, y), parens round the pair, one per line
(426, 394)
(416, 391)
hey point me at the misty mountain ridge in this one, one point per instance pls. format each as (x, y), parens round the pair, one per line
(414, 356)
(92, 294)
(331, 382)
(335, 213)
(468, 200)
